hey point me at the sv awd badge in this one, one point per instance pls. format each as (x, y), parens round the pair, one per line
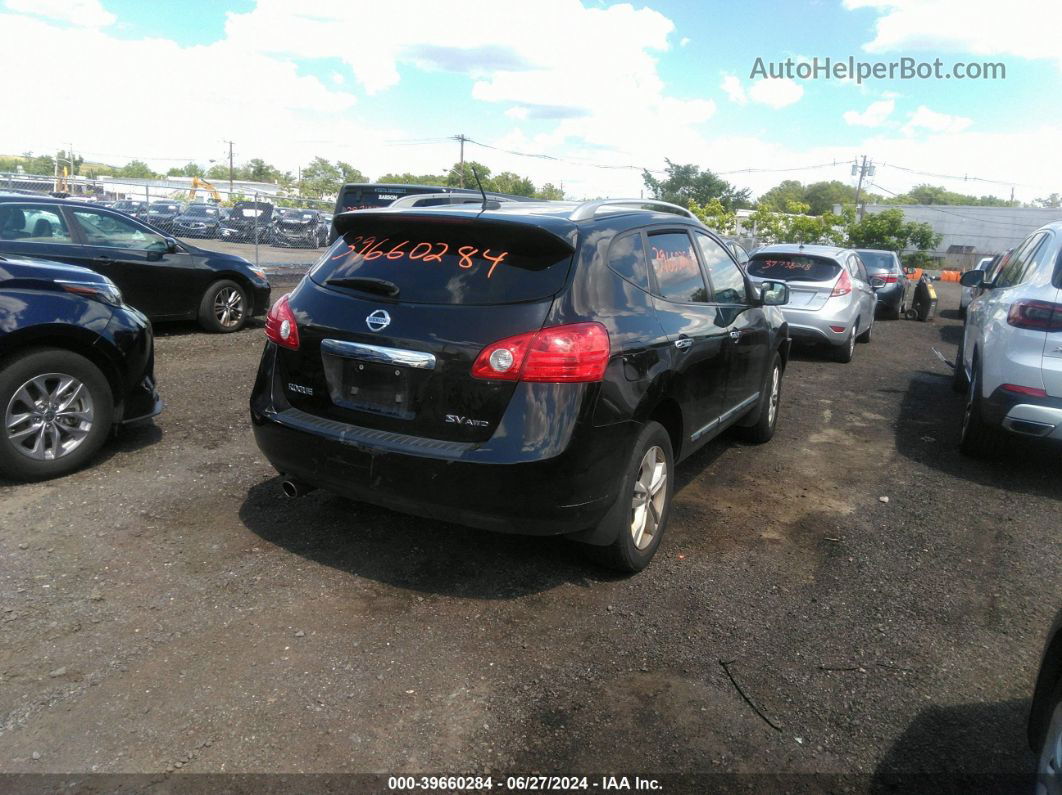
(457, 419)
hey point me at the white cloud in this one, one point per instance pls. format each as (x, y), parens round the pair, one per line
(1021, 28)
(83, 13)
(935, 122)
(337, 79)
(684, 41)
(875, 114)
(734, 90)
(776, 92)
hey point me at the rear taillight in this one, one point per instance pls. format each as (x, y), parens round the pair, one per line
(843, 286)
(1035, 315)
(1017, 389)
(280, 325)
(575, 353)
(889, 278)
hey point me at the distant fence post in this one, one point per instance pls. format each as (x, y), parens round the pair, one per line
(256, 211)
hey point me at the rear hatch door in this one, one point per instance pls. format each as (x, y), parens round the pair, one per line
(811, 279)
(392, 318)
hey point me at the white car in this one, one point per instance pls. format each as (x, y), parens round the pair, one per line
(969, 293)
(1010, 358)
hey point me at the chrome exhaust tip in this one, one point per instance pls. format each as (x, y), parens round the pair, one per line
(295, 488)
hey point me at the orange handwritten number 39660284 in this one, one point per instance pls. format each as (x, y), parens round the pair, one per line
(423, 251)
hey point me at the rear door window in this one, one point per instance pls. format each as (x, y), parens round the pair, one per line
(1018, 263)
(32, 223)
(416, 261)
(675, 268)
(793, 267)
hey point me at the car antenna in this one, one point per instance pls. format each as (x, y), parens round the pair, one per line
(479, 184)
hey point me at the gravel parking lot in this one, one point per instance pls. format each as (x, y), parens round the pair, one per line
(168, 611)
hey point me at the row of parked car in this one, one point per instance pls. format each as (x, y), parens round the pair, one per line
(245, 221)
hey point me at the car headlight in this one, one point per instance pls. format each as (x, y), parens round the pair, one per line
(105, 291)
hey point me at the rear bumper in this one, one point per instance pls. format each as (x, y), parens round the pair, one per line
(260, 300)
(813, 327)
(1025, 415)
(503, 484)
(890, 296)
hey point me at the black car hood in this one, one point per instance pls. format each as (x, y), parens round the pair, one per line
(203, 219)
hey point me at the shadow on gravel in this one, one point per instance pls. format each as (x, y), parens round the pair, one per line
(928, 428)
(179, 328)
(951, 334)
(409, 552)
(965, 748)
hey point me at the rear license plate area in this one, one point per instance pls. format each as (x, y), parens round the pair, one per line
(377, 388)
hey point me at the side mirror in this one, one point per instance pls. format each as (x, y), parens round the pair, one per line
(877, 282)
(972, 279)
(774, 293)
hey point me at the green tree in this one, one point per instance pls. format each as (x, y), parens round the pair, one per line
(508, 182)
(550, 192)
(714, 215)
(1053, 201)
(349, 173)
(187, 170)
(136, 169)
(778, 197)
(889, 231)
(688, 182)
(219, 172)
(259, 170)
(822, 196)
(408, 178)
(453, 177)
(321, 178)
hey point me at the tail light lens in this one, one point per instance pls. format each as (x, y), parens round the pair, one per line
(1035, 315)
(1017, 389)
(560, 354)
(843, 286)
(280, 325)
(889, 278)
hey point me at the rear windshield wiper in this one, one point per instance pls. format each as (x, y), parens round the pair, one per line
(366, 284)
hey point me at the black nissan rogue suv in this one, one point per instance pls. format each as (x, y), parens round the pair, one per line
(529, 368)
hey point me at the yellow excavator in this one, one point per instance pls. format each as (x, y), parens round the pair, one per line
(198, 183)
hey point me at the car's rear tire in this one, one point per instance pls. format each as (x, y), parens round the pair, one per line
(769, 405)
(224, 307)
(866, 336)
(979, 439)
(637, 520)
(843, 353)
(959, 382)
(56, 409)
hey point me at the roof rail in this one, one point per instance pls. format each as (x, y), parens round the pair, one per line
(588, 210)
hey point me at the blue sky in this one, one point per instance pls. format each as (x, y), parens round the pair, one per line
(592, 83)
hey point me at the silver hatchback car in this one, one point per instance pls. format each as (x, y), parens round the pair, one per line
(831, 299)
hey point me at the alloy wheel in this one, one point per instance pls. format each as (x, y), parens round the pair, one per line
(49, 416)
(650, 493)
(776, 393)
(228, 307)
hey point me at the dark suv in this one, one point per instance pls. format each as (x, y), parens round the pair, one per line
(532, 368)
(75, 361)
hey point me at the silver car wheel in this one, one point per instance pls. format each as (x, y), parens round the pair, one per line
(1049, 768)
(228, 307)
(650, 492)
(776, 393)
(49, 416)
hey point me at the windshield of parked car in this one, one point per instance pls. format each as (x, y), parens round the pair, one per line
(288, 214)
(201, 209)
(793, 267)
(164, 208)
(877, 260)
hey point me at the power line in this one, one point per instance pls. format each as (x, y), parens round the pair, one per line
(963, 178)
(939, 209)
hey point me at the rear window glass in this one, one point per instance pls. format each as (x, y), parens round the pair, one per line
(877, 260)
(793, 267)
(480, 263)
(366, 199)
(626, 256)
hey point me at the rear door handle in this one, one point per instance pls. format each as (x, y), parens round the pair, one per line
(683, 343)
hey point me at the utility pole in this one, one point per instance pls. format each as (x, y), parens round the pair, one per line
(461, 168)
(230, 167)
(864, 170)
